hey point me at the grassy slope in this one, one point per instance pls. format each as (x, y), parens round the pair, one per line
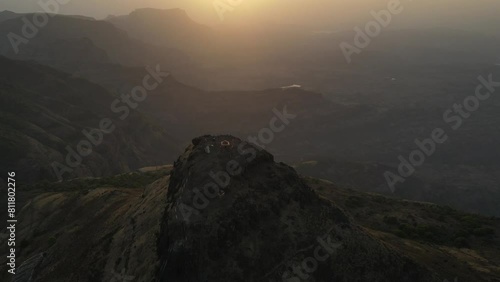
(91, 228)
(450, 242)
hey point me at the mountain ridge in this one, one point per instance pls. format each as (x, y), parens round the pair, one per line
(128, 224)
(44, 111)
(161, 26)
(119, 46)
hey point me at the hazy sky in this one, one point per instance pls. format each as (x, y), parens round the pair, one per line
(313, 12)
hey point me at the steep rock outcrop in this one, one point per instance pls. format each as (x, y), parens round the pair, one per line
(233, 214)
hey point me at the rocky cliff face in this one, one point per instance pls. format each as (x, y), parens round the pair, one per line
(233, 214)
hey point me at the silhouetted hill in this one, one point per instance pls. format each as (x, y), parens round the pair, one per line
(7, 15)
(172, 28)
(116, 43)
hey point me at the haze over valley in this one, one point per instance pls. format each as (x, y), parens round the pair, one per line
(377, 119)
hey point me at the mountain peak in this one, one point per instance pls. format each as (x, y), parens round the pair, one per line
(233, 214)
(222, 155)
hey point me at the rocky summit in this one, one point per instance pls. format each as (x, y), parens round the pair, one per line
(233, 214)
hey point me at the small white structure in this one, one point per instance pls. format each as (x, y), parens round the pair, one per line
(291, 86)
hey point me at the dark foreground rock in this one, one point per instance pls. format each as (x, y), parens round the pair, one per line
(233, 214)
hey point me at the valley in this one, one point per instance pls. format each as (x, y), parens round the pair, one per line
(152, 144)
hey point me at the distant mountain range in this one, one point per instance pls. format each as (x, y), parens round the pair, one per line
(172, 28)
(119, 47)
